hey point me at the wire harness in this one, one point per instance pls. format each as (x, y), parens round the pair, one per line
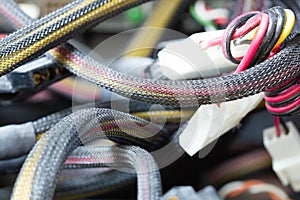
(269, 30)
(39, 173)
(273, 72)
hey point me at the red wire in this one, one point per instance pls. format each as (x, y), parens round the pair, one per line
(285, 95)
(275, 51)
(280, 86)
(219, 21)
(11, 17)
(261, 32)
(283, 109)
(277, 125)
(240, 32)
(260, 20)
(249, 26)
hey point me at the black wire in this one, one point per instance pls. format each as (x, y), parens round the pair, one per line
(280, 16)
(269, 36)
(284, 102)
(282, 88)
(229, 36)
(294, 6)
(282, 122)
(275, 27)
(291, 112)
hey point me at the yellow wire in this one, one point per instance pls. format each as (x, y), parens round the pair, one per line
(166, 116)
(288, 26)
(152, 29)
(287, 29)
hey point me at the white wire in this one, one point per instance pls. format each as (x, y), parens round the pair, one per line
(268, 188)
(229, 187)
(209, 15)
(259, 188)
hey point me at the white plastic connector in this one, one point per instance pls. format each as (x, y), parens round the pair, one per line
(186, 59)
(211, 121)
(285, 153)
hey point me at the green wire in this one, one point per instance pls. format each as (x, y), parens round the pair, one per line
(135, 15)
(199, 20)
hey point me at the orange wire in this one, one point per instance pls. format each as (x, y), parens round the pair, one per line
(244, 188)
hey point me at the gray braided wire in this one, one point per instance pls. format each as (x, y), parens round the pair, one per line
(74, 130)
(125, 158)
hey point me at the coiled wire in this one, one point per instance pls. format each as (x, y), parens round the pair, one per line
(39, 173)
(269, 74)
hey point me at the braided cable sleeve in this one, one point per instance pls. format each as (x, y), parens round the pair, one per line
(45, 123)
(138, 109)
(39, 173)
(173, 116)
(56, 28)
(124, 158)
(91, 182)
(16, 15)
(269, 74)
(18, 19)
(282, 67)
(13, 14)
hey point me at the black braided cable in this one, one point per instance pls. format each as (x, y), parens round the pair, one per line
(267, 75)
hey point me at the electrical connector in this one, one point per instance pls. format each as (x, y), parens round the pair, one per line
(29, 79)
(212, 121)
(284, 151)
(186, 59)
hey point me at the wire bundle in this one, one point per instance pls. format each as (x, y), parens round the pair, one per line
(259, 78)
(55, 28)
(291, 4)
(125, 158)
(284, 100)
(38, 177)
(271, 28)
(39, 173)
